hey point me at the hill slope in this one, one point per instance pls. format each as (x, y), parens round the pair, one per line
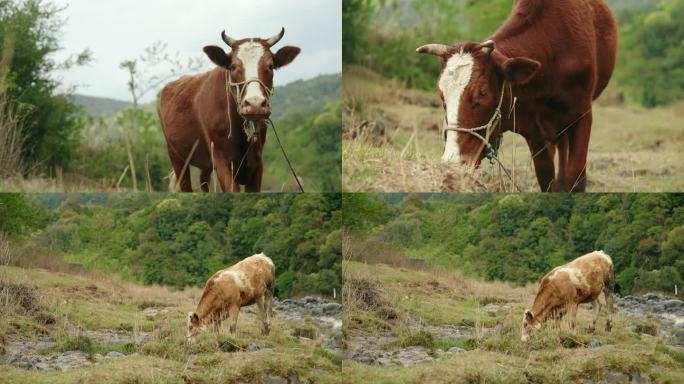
(67, 328)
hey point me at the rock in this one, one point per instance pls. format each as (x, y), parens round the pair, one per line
(251, 347)
(492, 308)
(150, 313)
(271, 379)
(44, 367)
(594, 343)
(455, 350)
(114, 355)
(617, 378)
(98, 357)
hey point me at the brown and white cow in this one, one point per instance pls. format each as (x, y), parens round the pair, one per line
(251, 281)
(222, 114)
(553, 58)
(566, 287)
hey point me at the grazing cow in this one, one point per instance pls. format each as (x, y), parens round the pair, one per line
(248, 282)
(217, 121)
(537, 76)
(566, 287)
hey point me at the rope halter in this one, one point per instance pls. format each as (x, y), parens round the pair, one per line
(237, 91)
(491, 151)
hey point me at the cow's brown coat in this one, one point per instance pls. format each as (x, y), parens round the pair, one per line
(224, 294)
(558, 56)
(563, 289)
(199, 109)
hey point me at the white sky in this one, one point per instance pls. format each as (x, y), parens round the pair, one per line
(117, 30)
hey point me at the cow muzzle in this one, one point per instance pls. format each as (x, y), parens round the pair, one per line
(255, 108)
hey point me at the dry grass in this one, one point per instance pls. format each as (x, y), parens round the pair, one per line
(392, 143)
(94, 301)
(496, 355)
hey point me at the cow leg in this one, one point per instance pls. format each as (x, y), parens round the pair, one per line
(224, 171)
(254, 184)
(576, 172)
(542, 156)
(572, 315)
(263, 315)
(233, 315)
(596, 306)
(178, 163)
(563, 149)
(608, 294)
(205, 179)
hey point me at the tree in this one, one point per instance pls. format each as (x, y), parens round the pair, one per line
(51, 123)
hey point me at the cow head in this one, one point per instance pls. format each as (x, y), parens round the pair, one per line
(194, 325)
(470, 86)
(250, 66)
(529, 325)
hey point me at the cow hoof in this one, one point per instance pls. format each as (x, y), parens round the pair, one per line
(591, 329)
(608, 327)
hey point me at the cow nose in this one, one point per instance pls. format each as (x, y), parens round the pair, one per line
(255, 102)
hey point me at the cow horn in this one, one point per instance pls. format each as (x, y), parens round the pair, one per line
(433, 49)
(228, 40)
(488, 46)
(275, 39)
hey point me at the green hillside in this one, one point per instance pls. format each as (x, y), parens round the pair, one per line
(519, 238)
(99, 106)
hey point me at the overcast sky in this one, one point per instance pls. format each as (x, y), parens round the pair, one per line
(116, 30)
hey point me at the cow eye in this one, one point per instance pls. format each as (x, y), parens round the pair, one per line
(270, 67)
(483, 94)
(232, 67)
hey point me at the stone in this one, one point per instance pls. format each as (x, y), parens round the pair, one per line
(251, 347)
(492, 308)
(617, 378)
(456, 350)
(271, 379)
(114, 355)
(44, 367)
(594, 343)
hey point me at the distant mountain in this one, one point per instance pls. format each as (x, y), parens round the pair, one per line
(100, 106)
(302, 96)
(306, 96)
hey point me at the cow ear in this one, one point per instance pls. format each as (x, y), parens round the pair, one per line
(528, 315)
(285, 56)
(520, 70)
(218, 56)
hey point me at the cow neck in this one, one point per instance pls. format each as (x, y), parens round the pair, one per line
(204, 307)
(235, 119)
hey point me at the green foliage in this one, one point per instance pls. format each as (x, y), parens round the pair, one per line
(181, 240)
(18, 215)
(520, 238)
(652, 54)
(51, 123)
(356, 15)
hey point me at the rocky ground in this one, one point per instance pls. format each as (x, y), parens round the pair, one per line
(668, 312)
(378, 350)
(41, 354)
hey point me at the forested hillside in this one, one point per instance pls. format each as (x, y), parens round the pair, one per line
(181, 240)
(519, 238)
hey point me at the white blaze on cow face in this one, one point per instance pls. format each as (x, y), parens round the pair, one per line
(250, 55)
(453, 82)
